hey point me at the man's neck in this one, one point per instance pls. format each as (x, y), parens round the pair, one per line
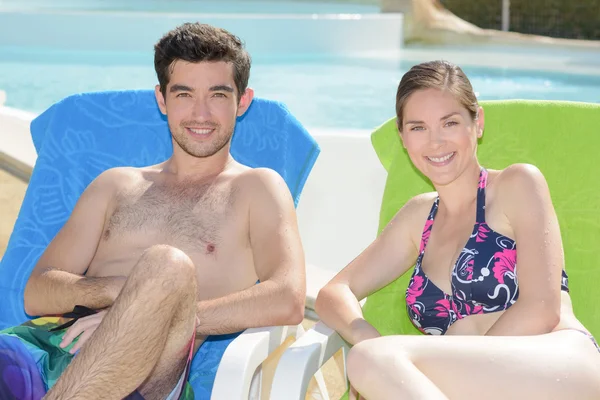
(185, 167)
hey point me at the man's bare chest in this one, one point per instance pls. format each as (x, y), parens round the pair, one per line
(194, 214)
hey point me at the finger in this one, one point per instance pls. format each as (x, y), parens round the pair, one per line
(84, 338)
(77, 328)
(71, 333)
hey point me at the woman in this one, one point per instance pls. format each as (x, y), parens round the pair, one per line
(508, 333)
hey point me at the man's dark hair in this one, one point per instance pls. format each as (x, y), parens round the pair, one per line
(195, 42)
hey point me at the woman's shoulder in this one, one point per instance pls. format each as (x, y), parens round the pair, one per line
(522, 177)
(409, 221)
(519, 189)
(421, 202)
(417, 209)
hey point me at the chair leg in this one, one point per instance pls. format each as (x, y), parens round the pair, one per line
(324, 394)
(340, 360)
(255, 385)
(267, 368)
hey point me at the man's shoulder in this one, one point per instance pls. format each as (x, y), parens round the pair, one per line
(261, 174)
(263, 187)
(118, 176)
(263, 180)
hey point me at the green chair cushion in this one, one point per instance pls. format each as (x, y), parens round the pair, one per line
(562, 139)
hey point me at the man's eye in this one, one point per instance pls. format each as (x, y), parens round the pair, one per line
(219, 95)
(417, 128)
(183, 95)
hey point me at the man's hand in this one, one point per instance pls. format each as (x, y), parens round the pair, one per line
(85, 327)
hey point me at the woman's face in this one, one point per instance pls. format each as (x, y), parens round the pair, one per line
(439, 135)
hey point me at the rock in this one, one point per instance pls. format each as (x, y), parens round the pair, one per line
(429, 22)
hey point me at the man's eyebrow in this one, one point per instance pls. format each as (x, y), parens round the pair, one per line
(441, 119)
(180, 88)
(221, 88)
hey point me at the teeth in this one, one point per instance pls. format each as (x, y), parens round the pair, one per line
(441, 159)
(203, 131)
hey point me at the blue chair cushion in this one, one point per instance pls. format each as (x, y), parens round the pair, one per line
(83, 135)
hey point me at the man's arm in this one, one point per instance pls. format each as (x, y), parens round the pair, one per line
(279, 261)
(57, 283)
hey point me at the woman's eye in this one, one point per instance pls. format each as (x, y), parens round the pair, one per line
(451, 123)
(417, 128)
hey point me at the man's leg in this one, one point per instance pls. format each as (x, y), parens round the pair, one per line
(144, 339)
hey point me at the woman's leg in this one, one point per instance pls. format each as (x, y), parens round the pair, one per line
(559, 365)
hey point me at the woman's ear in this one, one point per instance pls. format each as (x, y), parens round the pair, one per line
(480, 122)
(400, 134)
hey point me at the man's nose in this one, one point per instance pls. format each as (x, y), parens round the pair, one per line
(201, 109)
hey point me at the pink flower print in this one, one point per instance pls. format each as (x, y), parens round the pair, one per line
(505, 263)
(482, 180)
(414, 290)
(426, 233)
(482, 232)
(477, 309)
(469, 269)
(443, 308)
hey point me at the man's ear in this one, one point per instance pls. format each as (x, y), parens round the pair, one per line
(160, 99)
(245, 101)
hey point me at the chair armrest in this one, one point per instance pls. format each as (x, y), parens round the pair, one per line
(303, 359)
(243, 356)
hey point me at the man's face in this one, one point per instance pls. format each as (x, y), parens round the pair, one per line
(201, 106)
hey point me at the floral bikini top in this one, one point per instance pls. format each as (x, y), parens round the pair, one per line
(483, 279)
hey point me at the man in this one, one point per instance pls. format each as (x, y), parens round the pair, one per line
(171, 253)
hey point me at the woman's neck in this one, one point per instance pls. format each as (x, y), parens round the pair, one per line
(459, 194)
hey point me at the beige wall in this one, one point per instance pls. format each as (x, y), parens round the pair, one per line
(12, 191)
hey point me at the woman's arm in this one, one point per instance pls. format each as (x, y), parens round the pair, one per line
(525, 199)
(387, 258)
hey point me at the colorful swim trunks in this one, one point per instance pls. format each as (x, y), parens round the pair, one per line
(31, 360)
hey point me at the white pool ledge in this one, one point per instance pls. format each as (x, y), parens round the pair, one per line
(17, 153)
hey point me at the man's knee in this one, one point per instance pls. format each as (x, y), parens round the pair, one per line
(164, 253)
(170, 264)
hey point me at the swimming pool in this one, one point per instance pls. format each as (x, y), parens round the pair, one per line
(198, 6)
(330, 92)
(332, 70)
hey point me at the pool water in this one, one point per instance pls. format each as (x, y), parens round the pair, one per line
(197, 6)
(346, 93)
